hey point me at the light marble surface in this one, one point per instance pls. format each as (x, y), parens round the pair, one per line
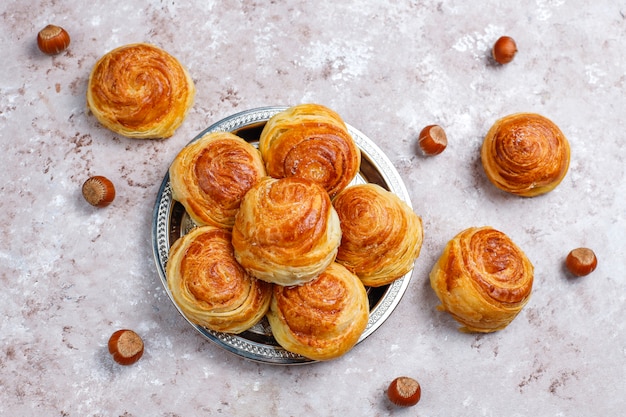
(72, 274)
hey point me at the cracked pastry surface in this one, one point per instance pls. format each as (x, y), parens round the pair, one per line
(140, 91)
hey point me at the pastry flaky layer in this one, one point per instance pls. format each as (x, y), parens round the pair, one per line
(322, 319)
(210, 176)
(525, 154)
(210, 287)
(140, 91)
(310, 141)
(482, 279)
(286, 231)
(381, 235)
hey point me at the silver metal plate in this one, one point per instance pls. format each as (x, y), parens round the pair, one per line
(170, 221)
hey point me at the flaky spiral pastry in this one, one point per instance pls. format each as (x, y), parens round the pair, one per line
(482, 279)
(210, 287)
(310, 141)
(525, 154)
(140, 91)
(210, 176)
(381, 235)
(322, 319)
(286, 231)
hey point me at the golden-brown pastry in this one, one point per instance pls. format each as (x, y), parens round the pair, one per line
(525, 154)
(286, 231)
(210, 176)
(310, 141)
(140, 91)
(322, 319)
(210, 287)
(482, 279)
(381, 235)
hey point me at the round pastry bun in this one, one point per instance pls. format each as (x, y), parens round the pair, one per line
(310, 141)
(381, 235)
(482, 279)
(210, 287)
(286, 231)
(525, 154)
(323, 318)
(140, 91)
(211, 175)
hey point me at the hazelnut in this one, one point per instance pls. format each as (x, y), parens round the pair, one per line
(504, 50)
(581, 261)
(404, 391)
(433, 140)
(98, 191)
(53, 40)
(126, 347)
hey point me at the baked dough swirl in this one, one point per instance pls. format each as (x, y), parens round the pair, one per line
(381, 235)
(525, 154)
(140, 91)
(322, 319)
(210, 176)
(210, 287)
(286, 231)
(482, 279)
(310, 141)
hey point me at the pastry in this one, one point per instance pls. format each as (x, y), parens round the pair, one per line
(525, 154)
(310, 141)
(482, 279)
(210, 176)
(322, 319)
(286, 231)
(210, 287)
(381, 235)
(140, 91)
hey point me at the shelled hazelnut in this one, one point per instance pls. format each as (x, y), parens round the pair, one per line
(126, 346)
(53, 39)
(581, 261)
(433, 140)
(98, 191)
(404, 391)
(504, 50)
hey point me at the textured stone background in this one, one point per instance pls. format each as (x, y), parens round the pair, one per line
(71, 274)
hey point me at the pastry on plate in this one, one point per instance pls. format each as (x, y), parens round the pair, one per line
(140, 91)
(286, 231)
(208, 285)
(210, 176)
(381, 235)
(525, 154)
(482, 279)
(310, 141)
(322, 319)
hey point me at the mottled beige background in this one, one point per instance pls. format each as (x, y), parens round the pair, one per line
(72, 274)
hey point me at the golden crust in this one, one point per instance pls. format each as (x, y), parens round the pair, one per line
(310, 141)
(322, 319)
(482, 279)
(286, 231)
(525, 154)
(210, 287)
(210, 177)
(140, 91)
(381, 235)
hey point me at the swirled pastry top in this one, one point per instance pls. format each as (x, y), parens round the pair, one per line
(322, 319)
(286, 231)
(140, 91)
(210, 287)
(310, 141)
(525, 154)
(381, 235)
(482, 279)
(210, 176)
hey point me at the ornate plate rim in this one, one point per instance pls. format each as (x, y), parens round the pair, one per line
(237, 344)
